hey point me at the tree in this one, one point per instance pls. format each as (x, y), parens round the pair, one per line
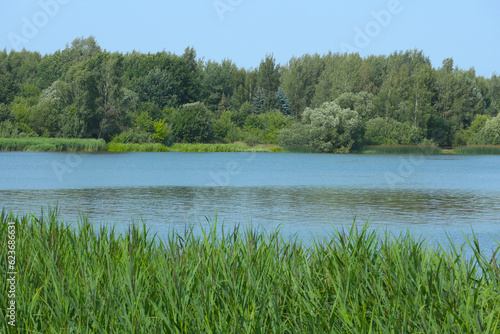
(332, 128)
(299, 81)
(160, 88)
(361, 102)
(216, 82)
(269, 80)
(283, 103)
(259, 101)
(489, 133)
(192, 124)
(387, 131)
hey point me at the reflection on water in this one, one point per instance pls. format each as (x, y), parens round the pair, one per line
(302, 193)
(297, 209)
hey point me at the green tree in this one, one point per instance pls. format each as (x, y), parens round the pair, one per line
(216, 82)
(299, 80)
(160, 88)
(489, 133)
(259, 101)
(332, 128)
(361, 102)
(192, 123)
(283, 103)
(387, 131)
(269, 80)
(162, 132)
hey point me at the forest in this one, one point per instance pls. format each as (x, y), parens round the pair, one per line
(330, 103)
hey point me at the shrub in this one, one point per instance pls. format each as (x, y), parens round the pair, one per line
(134, 136)
(387, 131)
(192, 123)
(489, 133)
(332, 128)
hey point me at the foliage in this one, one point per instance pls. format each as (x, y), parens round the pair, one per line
(92, 278)
(225, 129)
(489, 133)
(463, 136)
(192, 124)
(159, 88)
(264, 128)
(297, 135)
(8, 130)
(283, 102)
(333, 129)
(381, 131)
(134, 136)
(84, 91)
(163, 132)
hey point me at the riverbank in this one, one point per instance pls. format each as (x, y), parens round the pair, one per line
(88, 279)
(94, 145)
(52, 145)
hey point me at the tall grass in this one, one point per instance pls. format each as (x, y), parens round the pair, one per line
(152, 147)
(413, 149)
(94, 280)
(51, 144)
(290, 149)
(118, 147)
(478, 150)
(216, 148)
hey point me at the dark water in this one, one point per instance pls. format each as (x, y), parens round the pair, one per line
(305, 194)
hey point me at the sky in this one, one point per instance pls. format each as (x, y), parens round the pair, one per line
(246, 30)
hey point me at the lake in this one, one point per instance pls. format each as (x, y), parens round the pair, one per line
(304, 194)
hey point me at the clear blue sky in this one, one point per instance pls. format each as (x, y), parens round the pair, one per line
(245, 30)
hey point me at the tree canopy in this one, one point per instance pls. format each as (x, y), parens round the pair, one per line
(84, 91)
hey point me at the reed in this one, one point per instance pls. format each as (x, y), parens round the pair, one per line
(52, 144)
(150, 147)
(216, 148)
(298, 149)
(478, 150)
(92, 279)
(413, 149)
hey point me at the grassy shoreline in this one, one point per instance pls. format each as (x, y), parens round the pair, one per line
(94, 145)
(52, 145)
(89, 279)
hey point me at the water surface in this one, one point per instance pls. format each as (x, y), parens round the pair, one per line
(305, 194)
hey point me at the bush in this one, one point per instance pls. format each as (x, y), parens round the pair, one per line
(332, 128)
(224, 126)
(387, 131)
(134, 136)
(296, 135)
(8, 130)
(489, 133)
(463, 136)
(192, 123)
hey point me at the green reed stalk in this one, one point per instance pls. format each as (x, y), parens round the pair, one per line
(87, 278)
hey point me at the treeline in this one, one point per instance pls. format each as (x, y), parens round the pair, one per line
(332, 103)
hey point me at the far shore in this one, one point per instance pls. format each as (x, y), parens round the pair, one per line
(99, 145)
